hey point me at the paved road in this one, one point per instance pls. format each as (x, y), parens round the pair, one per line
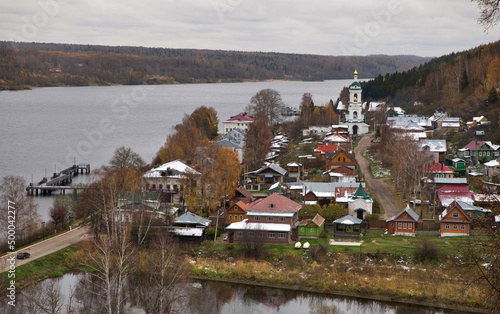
(379, 188)
(48, 246)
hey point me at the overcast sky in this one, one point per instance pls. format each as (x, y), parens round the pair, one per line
(333, 27)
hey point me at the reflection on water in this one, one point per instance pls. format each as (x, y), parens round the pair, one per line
(202, 297)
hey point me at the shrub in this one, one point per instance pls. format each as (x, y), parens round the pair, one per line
(211, 232)
(318, 252)
(371, 217)
(426, 250)
(324, 234)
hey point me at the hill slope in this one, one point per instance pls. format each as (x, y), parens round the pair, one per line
(25, 65)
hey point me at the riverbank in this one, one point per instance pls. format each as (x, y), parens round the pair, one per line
(347, 274)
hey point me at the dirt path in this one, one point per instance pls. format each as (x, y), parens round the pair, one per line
(381, 191)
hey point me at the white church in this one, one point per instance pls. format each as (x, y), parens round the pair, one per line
(355, 114)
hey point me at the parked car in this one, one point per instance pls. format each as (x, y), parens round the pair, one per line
(23, 255)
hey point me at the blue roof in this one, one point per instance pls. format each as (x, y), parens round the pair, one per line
(407, 209)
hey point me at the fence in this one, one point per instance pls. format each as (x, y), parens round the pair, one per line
(427, 233)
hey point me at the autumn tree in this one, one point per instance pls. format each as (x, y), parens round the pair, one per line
(306, 108)
(196, 129)
(124, 157)
(206, 121)
(268, 106)
(14, 198)
(219, 170)
(257, 143)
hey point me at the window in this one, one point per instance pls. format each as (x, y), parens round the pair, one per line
(241, 217)
(230, 217)
(239, 234)
(447, 226)
(301, 229)
(455, 215)
(160, 186)
(260, 234)
(462, 227)
(399, 225)
(282, 219)
(270, 235)
(281, 235)
(392, 225)
(256, 218)
(269, 218)
(455, 227)
(251, 234)
(404, 226)
(311, 230)
(405, 215)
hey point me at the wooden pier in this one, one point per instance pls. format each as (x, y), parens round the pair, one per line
(59, 181)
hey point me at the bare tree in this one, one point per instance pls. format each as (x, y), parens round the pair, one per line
(13, 193)
(124, 157)
(490, 12)
(267, 105)
(44, 297)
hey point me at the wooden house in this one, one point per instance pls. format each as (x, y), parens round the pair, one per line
(236, 212)
(269, 174)
(347, 227)
(311, 228)
(270, 220)
(339, 158)
(454, 221)
(404, 223)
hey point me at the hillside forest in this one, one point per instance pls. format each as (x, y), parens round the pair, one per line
(27, 65)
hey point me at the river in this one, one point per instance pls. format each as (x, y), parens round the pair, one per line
(224, 298)
(45, 129)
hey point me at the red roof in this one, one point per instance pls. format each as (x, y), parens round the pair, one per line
(450, 192)
(341, 191)
(474, 145)
(326, 148)
(241, 117)
(275, 203)
(436, 167)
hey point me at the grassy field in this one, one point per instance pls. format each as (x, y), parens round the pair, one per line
(51, 265)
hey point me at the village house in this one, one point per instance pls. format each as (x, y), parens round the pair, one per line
(269, 221)
(347, 227)
(450, 125)
(311, 228)
(332, 143)
(295, 171)
(436, 148)
(168, 179)
(403, 223)
(492, 168)
(340, 159)
(241, 121)
(242, 194)
(479, 151)
(452, 192)
(268, 175)
(474, 212)
(236, 212)
(477, 121)
(454, 221)
(437, 170)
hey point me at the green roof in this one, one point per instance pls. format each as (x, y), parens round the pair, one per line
(360, 193)
(355, 84)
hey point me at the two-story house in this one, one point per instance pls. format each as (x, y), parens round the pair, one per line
(269, 221)
(454, 221)
(168, 179)
(341, 162)
(481, 151)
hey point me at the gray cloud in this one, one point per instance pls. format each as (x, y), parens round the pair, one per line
(424, 27)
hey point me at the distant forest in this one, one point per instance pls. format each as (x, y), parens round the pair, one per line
(463, 84)
(26, 65)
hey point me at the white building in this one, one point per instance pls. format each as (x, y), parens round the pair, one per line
(355, 114)
(241, 120)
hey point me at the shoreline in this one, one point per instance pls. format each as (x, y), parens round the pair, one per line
(339, 293)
